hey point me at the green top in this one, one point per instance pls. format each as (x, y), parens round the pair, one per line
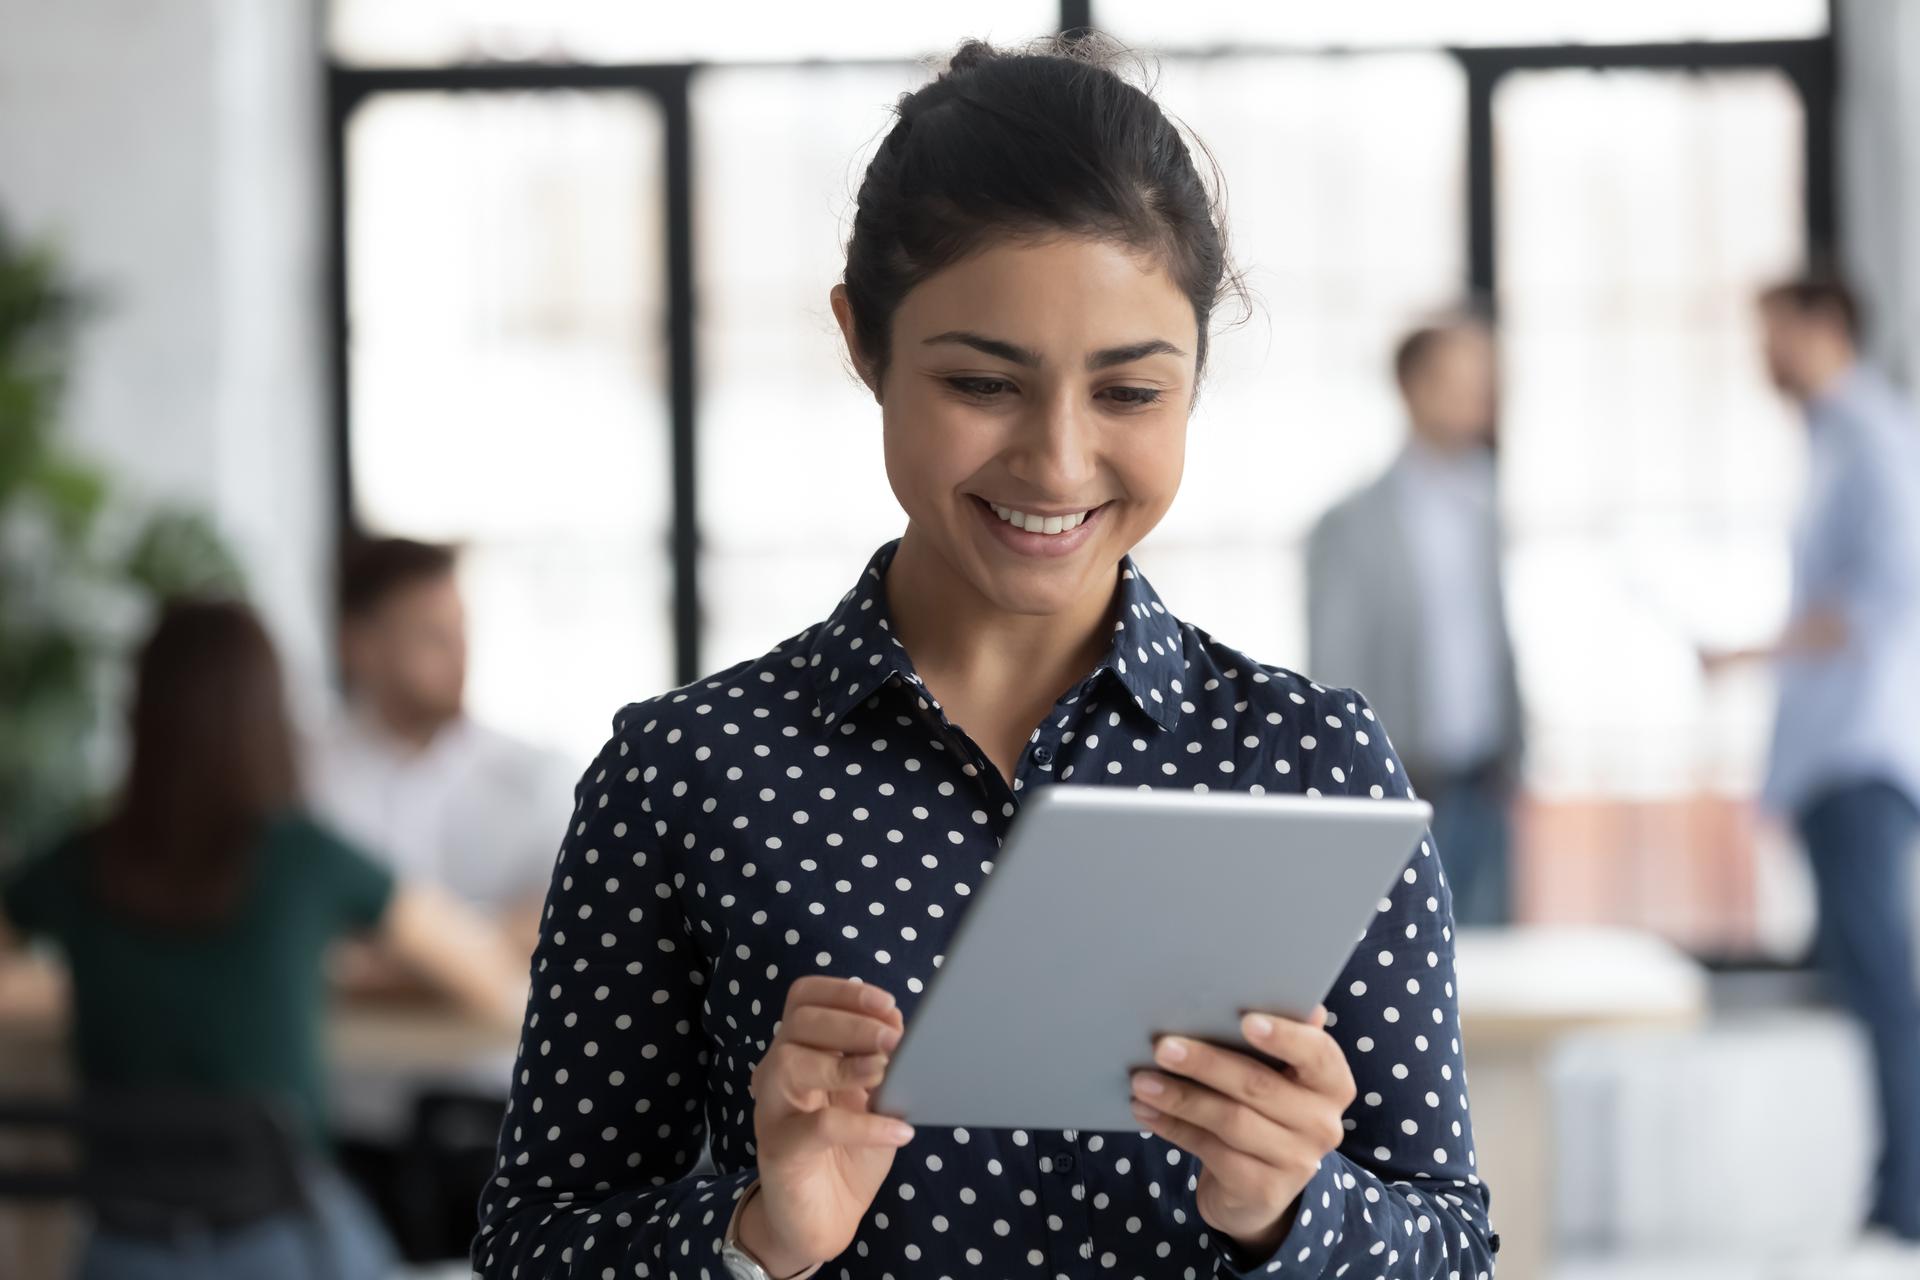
(232, 1007)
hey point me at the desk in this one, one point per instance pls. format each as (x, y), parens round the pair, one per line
(1521, 991)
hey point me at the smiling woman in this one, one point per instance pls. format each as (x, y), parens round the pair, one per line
(765, 867)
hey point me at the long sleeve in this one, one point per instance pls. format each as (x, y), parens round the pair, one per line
(1876, 561)
(607, 1112)
(1400, 1197)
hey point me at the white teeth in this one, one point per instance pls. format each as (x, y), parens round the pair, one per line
(1040, 524)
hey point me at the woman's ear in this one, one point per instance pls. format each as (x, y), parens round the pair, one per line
(843, 314)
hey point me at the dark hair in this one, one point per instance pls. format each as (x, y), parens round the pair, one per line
(212, 761)
(1815, 295)
(373, 569)
(1411, 353)
(1052, 140)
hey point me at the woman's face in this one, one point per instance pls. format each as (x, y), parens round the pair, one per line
(1050, 378)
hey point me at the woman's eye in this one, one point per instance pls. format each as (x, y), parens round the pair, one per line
(983, 388)
(1133, 395)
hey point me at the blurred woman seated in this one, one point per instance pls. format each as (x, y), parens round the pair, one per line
(195, 919)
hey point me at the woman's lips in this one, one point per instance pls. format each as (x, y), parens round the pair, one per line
(1039, 545)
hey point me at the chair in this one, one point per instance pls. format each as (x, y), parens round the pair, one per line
(447, 1159)
(163, 1163)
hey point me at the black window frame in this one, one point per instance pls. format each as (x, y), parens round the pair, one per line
(1807, 64)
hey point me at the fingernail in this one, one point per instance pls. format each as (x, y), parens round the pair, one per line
(1144, 1113)
(1172, 1050)
(900, 1131)
(875, 998)
(1149, 1084)
(889, 1038)
(1259, 1025)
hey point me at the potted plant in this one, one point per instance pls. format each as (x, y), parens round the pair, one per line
(80, 566)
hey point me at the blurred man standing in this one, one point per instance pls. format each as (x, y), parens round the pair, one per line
(1845, 763)
(1404, 602)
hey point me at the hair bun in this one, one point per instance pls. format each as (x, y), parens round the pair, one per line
(969, 55)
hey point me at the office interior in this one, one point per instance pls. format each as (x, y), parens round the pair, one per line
(548, 283)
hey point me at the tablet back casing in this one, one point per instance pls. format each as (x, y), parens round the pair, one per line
(1114, 915)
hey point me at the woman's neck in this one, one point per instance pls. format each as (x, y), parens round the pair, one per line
(971, 651)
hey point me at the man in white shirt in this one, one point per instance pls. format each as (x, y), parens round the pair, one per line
(1405, 603)
(404, 772)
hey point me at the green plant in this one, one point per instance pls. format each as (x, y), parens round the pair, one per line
(80, 567)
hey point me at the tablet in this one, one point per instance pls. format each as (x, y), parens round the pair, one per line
(1115, 915)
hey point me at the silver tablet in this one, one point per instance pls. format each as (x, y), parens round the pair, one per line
(1116, 915)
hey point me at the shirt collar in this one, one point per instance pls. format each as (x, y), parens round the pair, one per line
(854, 651)
(364, 728)
(1832, 401)
(1472, 462)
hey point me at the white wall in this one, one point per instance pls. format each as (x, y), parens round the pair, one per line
(172, 148)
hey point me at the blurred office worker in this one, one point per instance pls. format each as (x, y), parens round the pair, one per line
(193, 922)
(410, 776)
(1845, 761)
(404, 769)
(1405, 600)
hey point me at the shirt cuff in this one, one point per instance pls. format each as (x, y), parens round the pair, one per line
(698, 1227)
(1308, 1246)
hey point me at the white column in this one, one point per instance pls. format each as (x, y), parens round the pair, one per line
(1878, 149)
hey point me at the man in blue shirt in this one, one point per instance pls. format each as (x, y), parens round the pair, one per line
(1845, 761)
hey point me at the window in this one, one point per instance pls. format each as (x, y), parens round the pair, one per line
(575, 342)
(505, 298)
(444, 32)
(1222, 24)
(793, 493)
(1649, 476)
(1340, 256)
(1650, 471)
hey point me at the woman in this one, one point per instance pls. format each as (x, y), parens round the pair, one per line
(765, 866)
(194, 923)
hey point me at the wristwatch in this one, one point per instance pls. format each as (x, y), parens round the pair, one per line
(742, 1265)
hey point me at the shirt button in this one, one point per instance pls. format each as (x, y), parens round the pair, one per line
(1063, 1163)
(1041, 755)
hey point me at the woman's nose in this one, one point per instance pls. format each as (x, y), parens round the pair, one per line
(1056, 451)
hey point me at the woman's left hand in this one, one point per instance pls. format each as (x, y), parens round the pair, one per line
(1259, 1132)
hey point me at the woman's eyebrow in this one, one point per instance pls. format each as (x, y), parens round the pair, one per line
(1128, 354)
(991, 346)
(1104, 359)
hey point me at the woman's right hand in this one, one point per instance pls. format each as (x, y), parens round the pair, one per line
(822, 1154)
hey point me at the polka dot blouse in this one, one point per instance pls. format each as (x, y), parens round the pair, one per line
(815, 811)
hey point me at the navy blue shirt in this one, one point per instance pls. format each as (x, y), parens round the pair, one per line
(814, 810)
